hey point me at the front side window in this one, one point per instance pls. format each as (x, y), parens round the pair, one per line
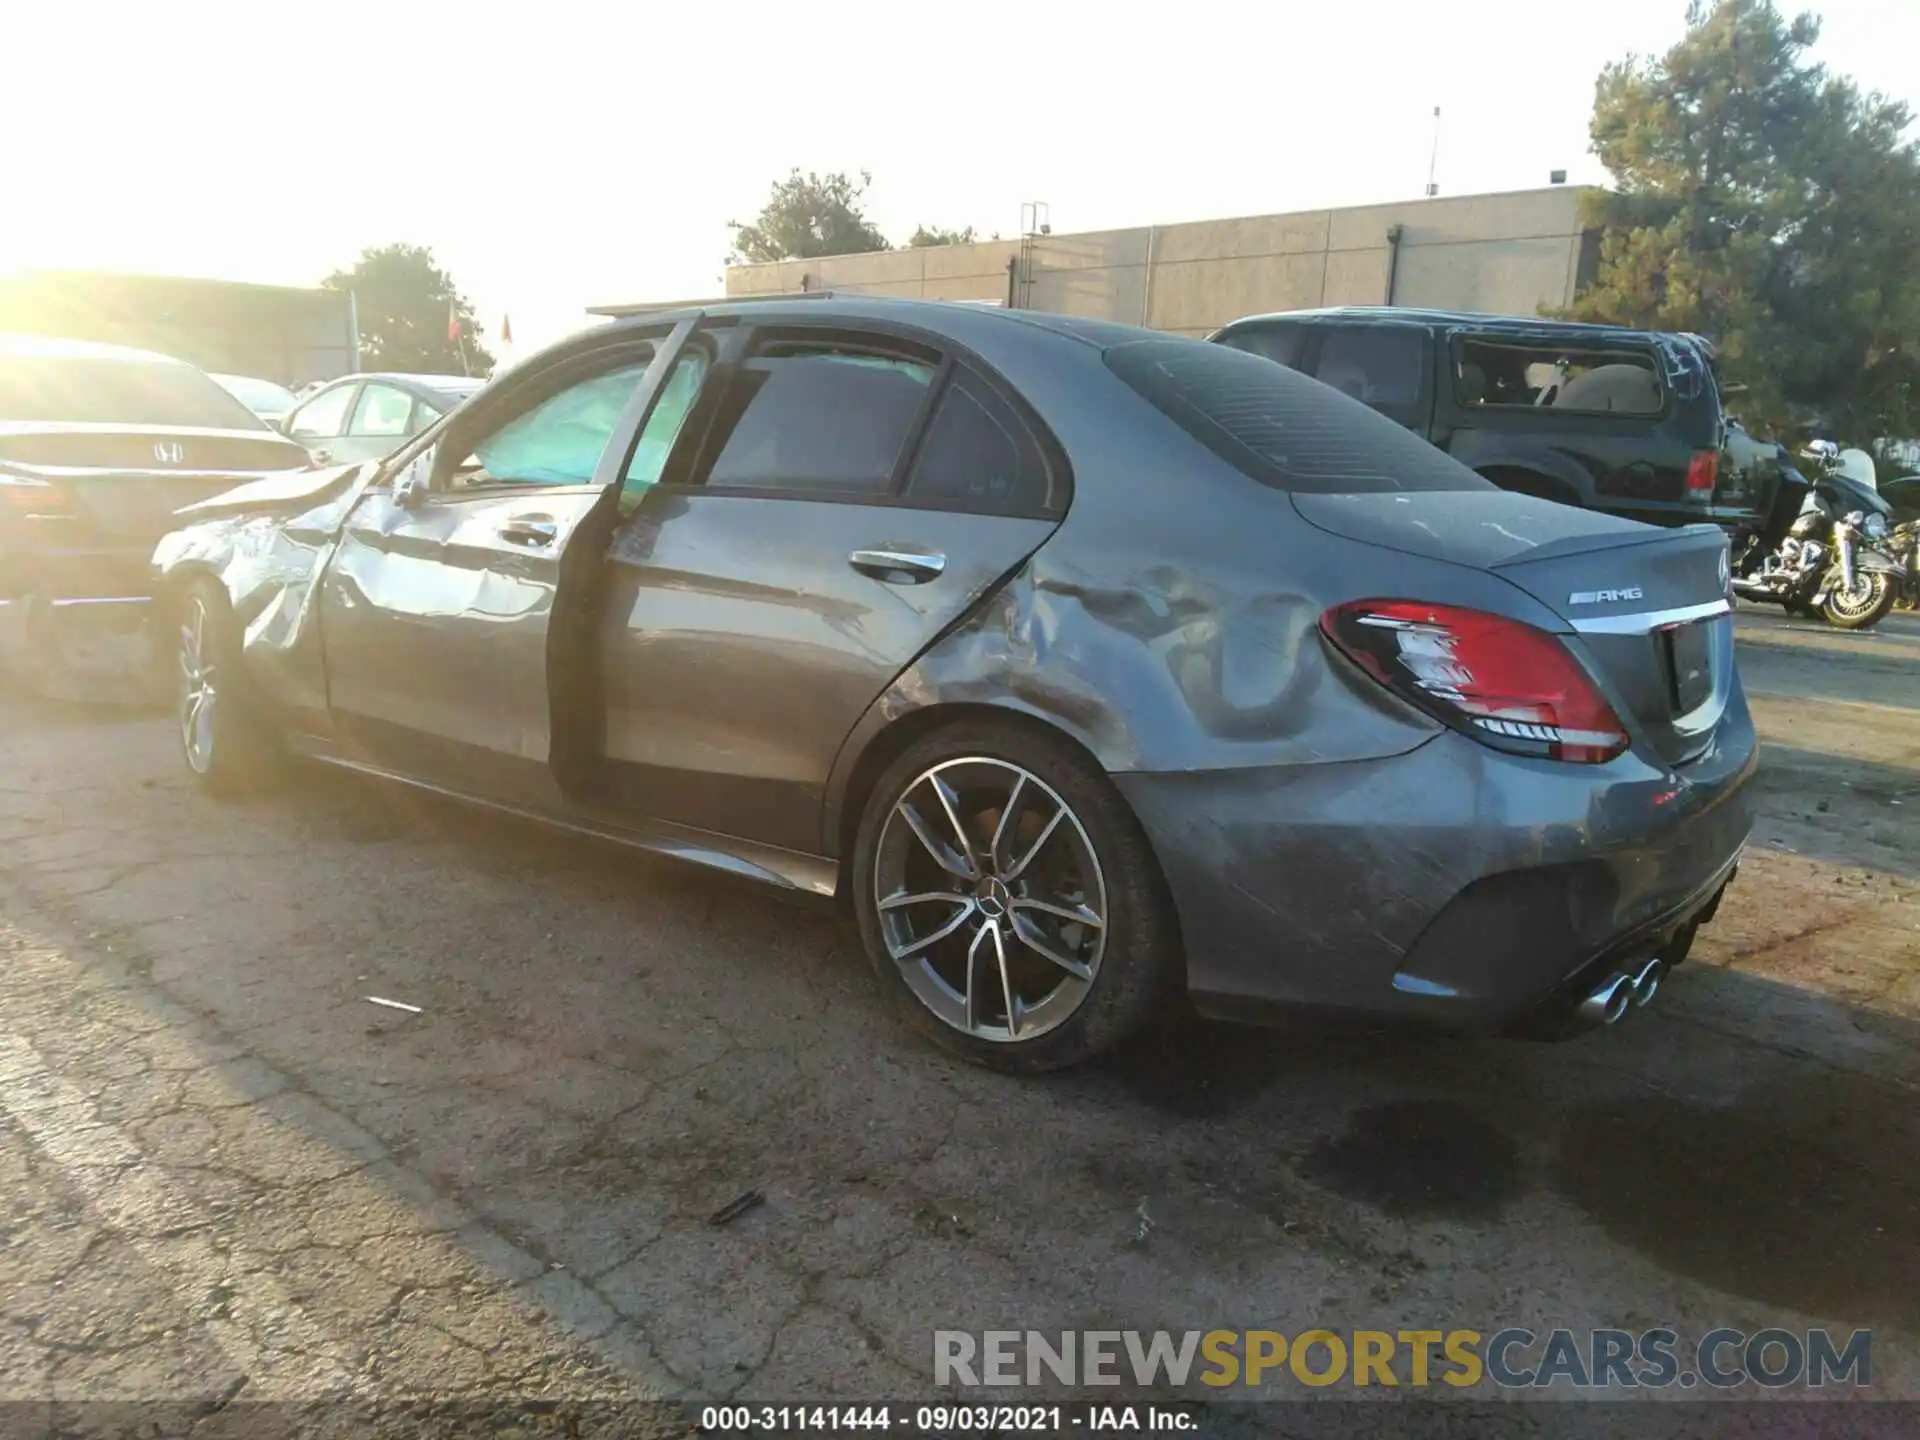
(1377, 365)
(818, 419)
(382, 411)
(1278, 343)
(559, 441)
(324, 416)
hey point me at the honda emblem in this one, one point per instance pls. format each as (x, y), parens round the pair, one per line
(169, 452)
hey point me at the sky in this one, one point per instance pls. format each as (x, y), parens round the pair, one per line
(559, 155)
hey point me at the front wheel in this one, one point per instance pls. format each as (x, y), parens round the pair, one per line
(1863, 604)
(1010, 901)
(224, 736)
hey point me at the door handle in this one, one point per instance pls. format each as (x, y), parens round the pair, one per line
(535, 530)
(899, 567)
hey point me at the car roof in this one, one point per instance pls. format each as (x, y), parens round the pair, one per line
(47, 347)
(955, 321)
(249, 379)
(440, 386)
(1466, 319)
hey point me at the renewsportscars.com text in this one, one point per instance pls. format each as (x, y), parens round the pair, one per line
(1512, 1358)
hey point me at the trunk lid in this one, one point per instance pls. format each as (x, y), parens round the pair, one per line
(125, 482)
(1648, 606)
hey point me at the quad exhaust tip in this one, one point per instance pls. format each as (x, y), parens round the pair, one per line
(1619, 992)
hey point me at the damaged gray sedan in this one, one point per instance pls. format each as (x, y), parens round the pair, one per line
(1093, 667)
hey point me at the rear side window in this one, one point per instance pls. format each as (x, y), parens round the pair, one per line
(1278, 426)
(818, 421)
(978, 455)
(1494, 372)
(116, 392)
(1279, 343)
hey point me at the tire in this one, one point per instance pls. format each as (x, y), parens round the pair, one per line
(1031, 874)
(1864, 609)
(229, 746)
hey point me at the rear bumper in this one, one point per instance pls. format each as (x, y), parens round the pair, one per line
(66, 575)
(59, 603)
(1451, 885)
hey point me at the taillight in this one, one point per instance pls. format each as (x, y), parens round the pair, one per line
(1703, 472)
(30, 498)
(1506, 684)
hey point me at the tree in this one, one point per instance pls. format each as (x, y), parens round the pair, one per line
(924, 236)
(1768, 205)
(403, 300)
(807, 216)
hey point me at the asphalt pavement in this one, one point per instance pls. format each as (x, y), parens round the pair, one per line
(229, 1177)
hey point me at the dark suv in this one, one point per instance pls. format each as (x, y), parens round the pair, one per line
(1626, 421)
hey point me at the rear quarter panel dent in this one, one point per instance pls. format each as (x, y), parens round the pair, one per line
(1158, 671)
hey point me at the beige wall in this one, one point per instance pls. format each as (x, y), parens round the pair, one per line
(1508, 254)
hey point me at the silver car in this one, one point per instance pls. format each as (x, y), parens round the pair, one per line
(1093, 668)
(362, 417)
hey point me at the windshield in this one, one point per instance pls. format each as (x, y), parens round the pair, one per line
(263, 397)
(456, 390)
(1279, 427)
(117, 392)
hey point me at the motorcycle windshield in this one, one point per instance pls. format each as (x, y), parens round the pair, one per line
(1847, 495)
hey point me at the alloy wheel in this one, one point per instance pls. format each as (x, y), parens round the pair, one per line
(198, 693)
(1853, 601)
(990, 899)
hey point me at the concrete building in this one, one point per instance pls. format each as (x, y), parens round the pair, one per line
(1507, 254)
(277, 332)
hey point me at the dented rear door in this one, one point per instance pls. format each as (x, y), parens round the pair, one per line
(854, 499)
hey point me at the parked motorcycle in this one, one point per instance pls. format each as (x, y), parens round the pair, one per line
(1827, 547)
(1904, 495)
(1904, 544)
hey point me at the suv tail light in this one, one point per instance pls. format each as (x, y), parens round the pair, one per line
(1703, 472)
(1506, 684)
(31, 499)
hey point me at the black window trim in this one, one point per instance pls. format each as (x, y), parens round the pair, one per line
(690, 454)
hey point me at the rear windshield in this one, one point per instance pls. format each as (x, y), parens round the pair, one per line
(1278, 426)
(116, 392)
(257, 395)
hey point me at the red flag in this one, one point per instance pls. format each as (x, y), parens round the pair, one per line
(453, 323)
(506, 329)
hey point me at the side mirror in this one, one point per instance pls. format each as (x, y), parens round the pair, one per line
(410, 485)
